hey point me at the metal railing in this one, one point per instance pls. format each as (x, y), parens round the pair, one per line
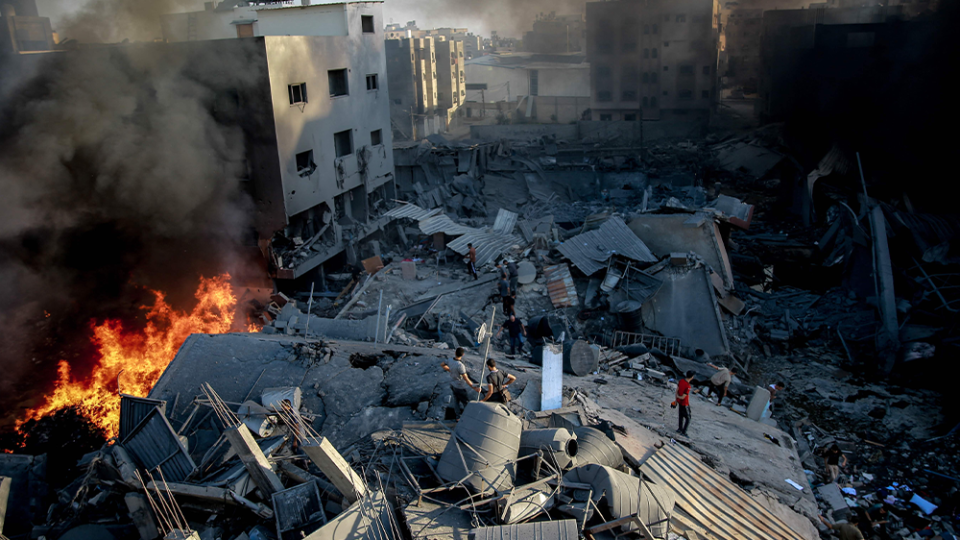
(667, 345)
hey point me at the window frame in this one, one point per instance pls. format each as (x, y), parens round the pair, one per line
(379, 136)
(336, 144)
(376, 82)
(346, 82)
(301, 88)
(309, 167)
(364, 19)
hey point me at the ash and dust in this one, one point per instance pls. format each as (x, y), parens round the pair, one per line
(116, 179)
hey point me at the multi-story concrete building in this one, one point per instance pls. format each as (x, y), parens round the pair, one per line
(451, 77)
(316, 117)
(741, 32)
(412, 74)
(653, 58)
(22, 29)
(553, 34)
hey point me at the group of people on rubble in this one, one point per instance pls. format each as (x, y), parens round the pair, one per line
(461, 384)
(508, 279)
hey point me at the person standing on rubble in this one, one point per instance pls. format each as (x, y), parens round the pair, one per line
(515, 330)
(460, 380)
(509, 305)
(514, 274)
(504, 287)
(683, 402)
(834, 459)
(721, 381)
(472, 261)
(497, 382)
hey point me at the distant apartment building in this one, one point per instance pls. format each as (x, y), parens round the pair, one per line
(653, 58)
(535, 87)
(741, 64)
(22, 29)
(554, 34)
(451, 77)
(395, 31)
(316, 117)
(414, 75)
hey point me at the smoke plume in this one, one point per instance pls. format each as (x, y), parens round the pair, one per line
(117, 174)
(506, 17)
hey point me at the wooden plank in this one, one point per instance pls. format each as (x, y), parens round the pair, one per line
(334, 467)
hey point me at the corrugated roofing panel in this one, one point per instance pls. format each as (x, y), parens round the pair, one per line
(565, 529)
(154, 444)
(134, 409)
(412, 211)
(713, 502)
(506, 221)
(560, 286)
(590, 251)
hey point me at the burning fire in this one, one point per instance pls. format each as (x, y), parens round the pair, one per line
(136, 360)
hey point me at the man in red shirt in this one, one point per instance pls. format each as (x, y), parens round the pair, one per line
(683, 402)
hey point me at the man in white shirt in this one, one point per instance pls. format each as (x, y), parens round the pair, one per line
(460, 382)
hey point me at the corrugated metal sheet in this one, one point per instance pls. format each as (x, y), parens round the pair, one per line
(590, 251)
(488, 244)
(154, 444)
(711, 501)
(412, 211)
(560, 286)
(565, 529)
(506, 221)
(134, 409)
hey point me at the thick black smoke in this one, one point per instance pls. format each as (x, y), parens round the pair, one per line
(117, 174)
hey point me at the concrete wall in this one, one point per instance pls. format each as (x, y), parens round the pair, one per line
(560, 81)
(311, 126)
(666, 52)
(316, 20)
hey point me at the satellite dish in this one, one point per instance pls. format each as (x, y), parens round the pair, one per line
(482, 333)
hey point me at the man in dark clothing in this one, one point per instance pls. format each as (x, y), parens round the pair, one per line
(514, 329)
(846, 531)
(497, 382)
(472, 261)
(514, 275)
(834, 459)
(508, 305)
(683, 402)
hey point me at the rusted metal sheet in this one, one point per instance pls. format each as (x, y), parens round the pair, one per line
(560, 286)
(591, 250)
(711, 501)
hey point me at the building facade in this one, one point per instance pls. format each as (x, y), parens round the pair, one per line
(319, 138)
(742, 30)
(22, 29)
(653, 59)
(554, 34)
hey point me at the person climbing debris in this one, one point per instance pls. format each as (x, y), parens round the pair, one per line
(472, 261)
(721, 381)
(834, 459)
(846, 531)
(497, 382)
(514, 274)
(515, 331)
(460, 382)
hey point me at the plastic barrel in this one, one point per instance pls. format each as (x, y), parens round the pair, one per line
(580, 358)
(488, 439)
(560, 441)
(595, 447)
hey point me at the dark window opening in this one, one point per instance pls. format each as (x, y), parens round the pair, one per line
(653, 53)
(376, 137)
(534, 82)
(630, 117)
(666, 43)
(628, 95)
(705, 94)
(338, 82)
(372, 82)
(666, 68)
(476, 86)
(606, 117)
(398, 101)
(706, 70)
(646, 78)
(653, 101)
(685, 94)
(305, 164)
(603, 71)
(298, 93)
(655, 29)
(645, 101)
(343, 143)
(366, 23)
(653, 77)
(686, 70)
(604, 96)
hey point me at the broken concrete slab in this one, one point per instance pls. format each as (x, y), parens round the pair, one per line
(366, 422)
(686, 307)
(429, 521)
(333, 466)
(665, 234)
(412, 380)
(370, 518)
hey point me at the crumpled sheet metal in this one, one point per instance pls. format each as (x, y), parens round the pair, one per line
(591, 250)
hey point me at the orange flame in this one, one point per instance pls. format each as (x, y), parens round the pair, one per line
(140, 356)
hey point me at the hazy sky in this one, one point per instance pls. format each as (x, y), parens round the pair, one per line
(508, 17)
